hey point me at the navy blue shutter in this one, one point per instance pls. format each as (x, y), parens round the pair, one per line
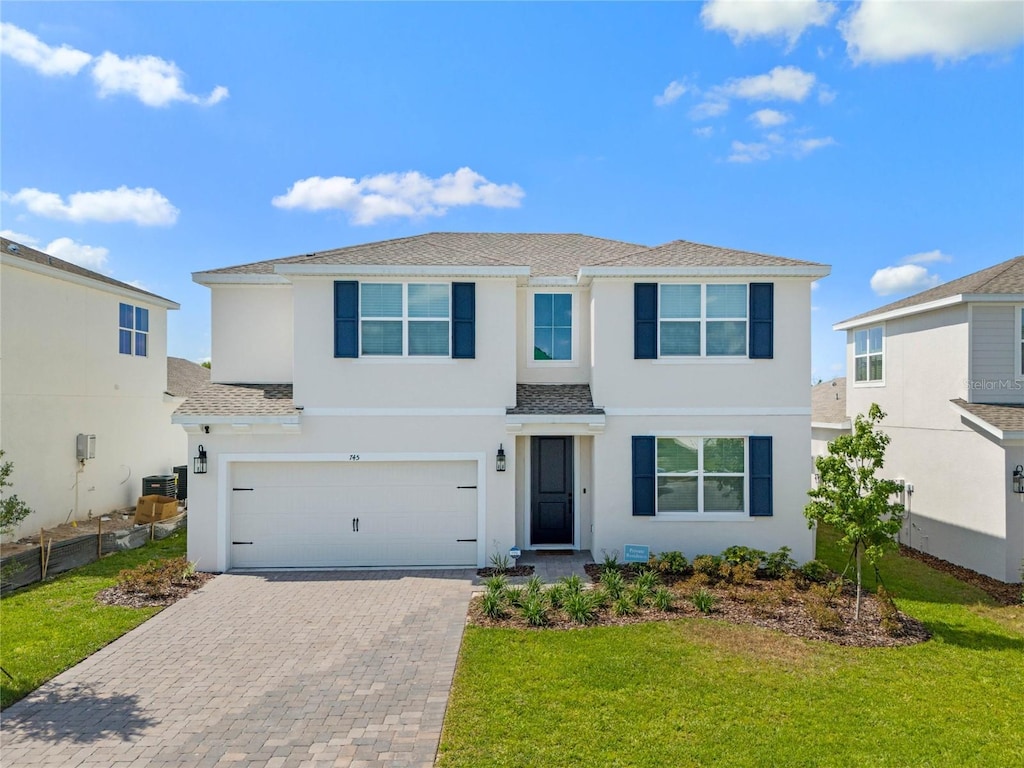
(760, 476)
(762, 311)
(644, 479)
(346, 318)
(464, 320)
(645, 321)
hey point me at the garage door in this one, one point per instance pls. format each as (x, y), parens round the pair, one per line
(319, 514)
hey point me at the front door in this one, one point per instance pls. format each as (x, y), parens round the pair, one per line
(551, 508)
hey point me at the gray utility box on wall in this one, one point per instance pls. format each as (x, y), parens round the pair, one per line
(85, 447)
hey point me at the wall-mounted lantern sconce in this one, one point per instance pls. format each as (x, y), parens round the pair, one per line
(199, 462)
(499, 463)
(1018, 479)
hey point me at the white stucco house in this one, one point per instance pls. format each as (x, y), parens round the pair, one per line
(81, 353)
(435, 399)
(945, 365)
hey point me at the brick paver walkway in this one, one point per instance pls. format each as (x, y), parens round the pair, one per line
(270, 670)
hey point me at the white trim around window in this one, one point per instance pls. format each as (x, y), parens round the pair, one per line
(391, 317)
(671, 483)
(871, 352)
(531, 330)
(668, 319)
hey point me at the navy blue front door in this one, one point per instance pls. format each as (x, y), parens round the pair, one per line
(551, 507)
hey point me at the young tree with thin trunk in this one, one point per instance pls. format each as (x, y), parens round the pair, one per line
(851, 498)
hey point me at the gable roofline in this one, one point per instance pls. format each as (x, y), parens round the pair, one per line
(39, 262)
(1003, 282)
(810, 271)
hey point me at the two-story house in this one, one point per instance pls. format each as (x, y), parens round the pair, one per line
(945, 365)
(436, 399)
(82, 354)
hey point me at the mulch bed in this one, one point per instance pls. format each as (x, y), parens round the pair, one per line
(118, 596)
(747, 604)
(1003, 593)
(519, 570)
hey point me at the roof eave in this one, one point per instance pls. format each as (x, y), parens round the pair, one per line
(928, 306)
(398, 270)
(238, 278)
(814, 271)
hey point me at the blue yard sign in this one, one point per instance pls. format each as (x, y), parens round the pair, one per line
(636, 553)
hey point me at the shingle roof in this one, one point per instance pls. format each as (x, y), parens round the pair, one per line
(682, 253)
(185, 377)
(551, 399)
(1006, 418)
(1006, 278)
(239, 400)
(828, 402)
(547, 255)
(31, 254)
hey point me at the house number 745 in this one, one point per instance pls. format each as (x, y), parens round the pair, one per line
(353, 457)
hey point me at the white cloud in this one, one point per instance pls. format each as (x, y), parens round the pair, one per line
(903, 279)
(769, 118)
(672, 92)
(714, 104)
(154, 81)
(748, 153)
(19, 237)
(408, 194)
(806, 146)
(779, 18)
(825, 94)
(928, 257)
(781, 83)
(146, 207)
(88, 256)
(878, 32)
(26, 48)
(705, 132)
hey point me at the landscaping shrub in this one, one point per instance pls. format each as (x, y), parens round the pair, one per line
(623, 606)
(674, 563)
(815, 571)
(493, 605)
(613, 583)
(738, 573)
(708, 566)
(534, 585)
(610, 563)
(500, 562)
(515, 595)
(496, 584)
(535, 611)
(819, 606)
(571, 584)
(662, 599)
(581, 607)
(703, 600)
(737, 555)
(777, 564)
(888, 612)
(154, 578)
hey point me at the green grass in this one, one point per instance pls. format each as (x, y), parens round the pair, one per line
(704, 692)
(51, 626)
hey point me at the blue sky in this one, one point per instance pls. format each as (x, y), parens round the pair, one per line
(149, 140)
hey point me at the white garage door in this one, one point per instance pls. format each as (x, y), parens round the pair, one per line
(319, 514)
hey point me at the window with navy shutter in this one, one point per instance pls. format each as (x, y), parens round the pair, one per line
(643, 476)
(346, 318)
(645, 321)
(464, 320)
(760, 476)
(762, 312)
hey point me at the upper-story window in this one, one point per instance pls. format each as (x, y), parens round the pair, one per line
(697, 320)
(552, 326)
(405, 319)
(868, 355)
(133, 330)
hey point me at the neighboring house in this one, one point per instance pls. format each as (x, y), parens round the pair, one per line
(81, 354)
(434, 400)
(945, 365)
(828, 414)
(185, 378)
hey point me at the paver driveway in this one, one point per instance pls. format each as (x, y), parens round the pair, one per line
(273, 669)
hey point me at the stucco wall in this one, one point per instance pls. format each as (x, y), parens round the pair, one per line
(615, 526)
(251, 333)
(620, 381)
(346, 435)
(62, 375)
(323, 381)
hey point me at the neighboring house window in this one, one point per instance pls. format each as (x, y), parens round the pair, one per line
(133, 330)
(702, 320)
(701, 474)
(405, 319)
(868, 354)
(552, 326)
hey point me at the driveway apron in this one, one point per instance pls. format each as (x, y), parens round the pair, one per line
(261, 670)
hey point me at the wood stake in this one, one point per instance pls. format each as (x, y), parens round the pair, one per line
(99, 537)
(42, 553)
(152, 531)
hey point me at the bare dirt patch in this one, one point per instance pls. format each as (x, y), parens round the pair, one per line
(1005, 594)
(115, 521)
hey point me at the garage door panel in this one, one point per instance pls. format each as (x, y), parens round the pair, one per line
(301, 514)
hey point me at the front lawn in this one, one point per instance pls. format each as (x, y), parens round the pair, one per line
(51, 626)
(703, 692)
